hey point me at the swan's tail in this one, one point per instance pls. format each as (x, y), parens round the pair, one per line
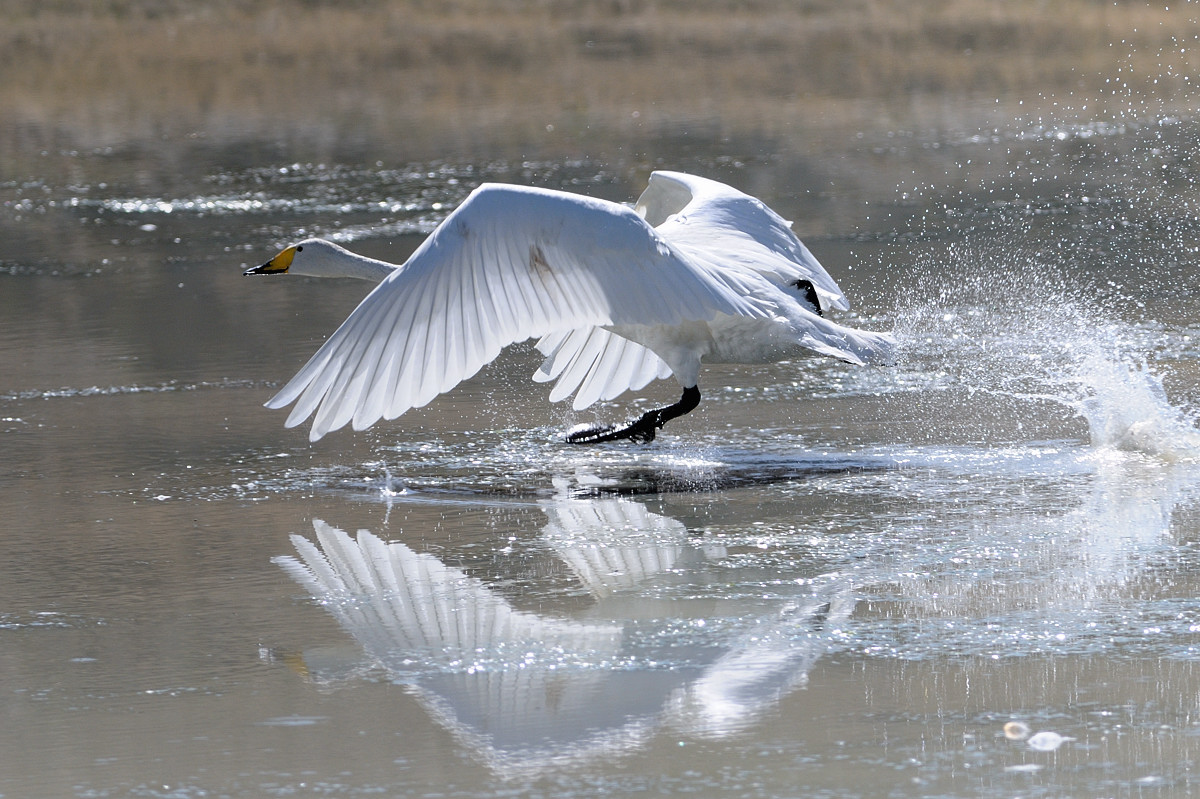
(849, 343)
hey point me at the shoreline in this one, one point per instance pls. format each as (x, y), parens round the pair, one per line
(544, 73)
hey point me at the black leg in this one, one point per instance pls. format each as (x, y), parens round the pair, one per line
(644, 428)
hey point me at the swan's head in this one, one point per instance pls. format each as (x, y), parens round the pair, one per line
(309, 257)
(321, 258)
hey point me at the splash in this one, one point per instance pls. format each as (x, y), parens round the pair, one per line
(1052, 351)
(1127, 409)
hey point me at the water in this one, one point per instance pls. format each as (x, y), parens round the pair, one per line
(971, 574)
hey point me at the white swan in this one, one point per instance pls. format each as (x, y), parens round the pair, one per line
(696, 272)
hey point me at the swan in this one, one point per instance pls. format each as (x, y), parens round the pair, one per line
(696, 272)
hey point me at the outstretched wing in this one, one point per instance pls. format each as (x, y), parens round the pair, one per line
(510, 263)
(712, 224)
(595, 364)
(719, 226)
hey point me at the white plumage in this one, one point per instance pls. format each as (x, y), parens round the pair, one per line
(697, 272)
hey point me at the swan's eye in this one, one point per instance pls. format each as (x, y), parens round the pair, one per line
(299, 249)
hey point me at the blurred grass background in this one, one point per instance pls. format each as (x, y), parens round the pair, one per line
(459, 75)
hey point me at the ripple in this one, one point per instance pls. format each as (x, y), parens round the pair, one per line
(68, 392)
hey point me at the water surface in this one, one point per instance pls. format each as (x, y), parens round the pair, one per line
(826, 581)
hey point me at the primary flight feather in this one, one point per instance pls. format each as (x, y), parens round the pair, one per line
(697, 272)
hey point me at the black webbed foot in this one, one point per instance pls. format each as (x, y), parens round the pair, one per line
(644, 429)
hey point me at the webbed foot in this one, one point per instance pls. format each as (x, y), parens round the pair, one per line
(643, 430)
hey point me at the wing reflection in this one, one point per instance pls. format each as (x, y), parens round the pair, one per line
(394, 599)
(615, 545)
(680, 635)
(526, 691)
(512, 684)
(763, 666)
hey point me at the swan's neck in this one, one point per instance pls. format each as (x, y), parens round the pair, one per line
(330, 260)
(364, 268)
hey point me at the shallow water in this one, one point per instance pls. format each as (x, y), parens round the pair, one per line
(825, 581)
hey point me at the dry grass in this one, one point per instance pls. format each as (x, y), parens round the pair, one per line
(442, 74)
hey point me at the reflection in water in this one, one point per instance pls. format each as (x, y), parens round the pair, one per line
(529, 691)
(615, 545)
(514, 685)
(763, 664)
(605, 544)
(1034, 584)
(525, 691)
(1053, 560)
(1125, 520)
